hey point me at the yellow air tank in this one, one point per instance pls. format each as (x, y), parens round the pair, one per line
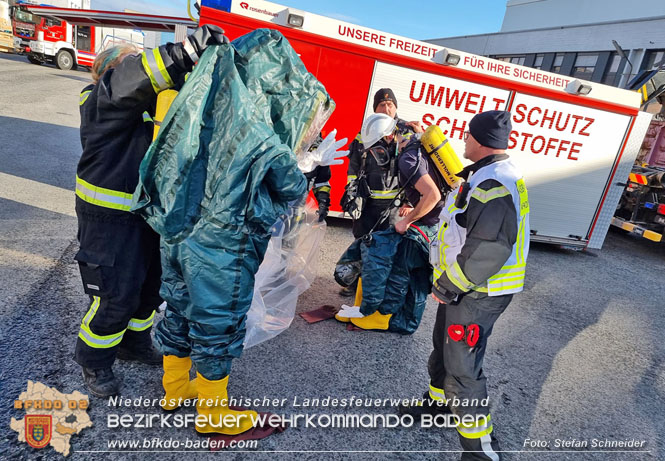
(164, 100)
(442, 154)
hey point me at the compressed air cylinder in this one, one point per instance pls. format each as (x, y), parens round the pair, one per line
(164, 100)
(442, 154)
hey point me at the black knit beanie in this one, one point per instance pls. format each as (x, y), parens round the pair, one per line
(491, 129)
(384, 94)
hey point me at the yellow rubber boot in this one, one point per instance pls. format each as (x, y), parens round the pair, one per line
(213, 404)
(375, 321)
(359, 293)
(176, 381)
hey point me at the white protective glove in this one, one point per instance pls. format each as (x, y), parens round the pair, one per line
(350, 312)
(324, 155)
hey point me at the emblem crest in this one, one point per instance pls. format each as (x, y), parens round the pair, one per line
(38, 430)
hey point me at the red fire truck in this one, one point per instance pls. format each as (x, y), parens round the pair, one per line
(49, 39)
(575, 140)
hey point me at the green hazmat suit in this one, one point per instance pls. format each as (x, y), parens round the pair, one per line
(221, 171)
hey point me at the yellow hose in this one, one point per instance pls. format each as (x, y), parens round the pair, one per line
(189, 12)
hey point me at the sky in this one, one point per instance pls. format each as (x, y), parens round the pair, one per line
(434, 19)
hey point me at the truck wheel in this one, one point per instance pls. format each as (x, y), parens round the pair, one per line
(64, 60)
(34, 60)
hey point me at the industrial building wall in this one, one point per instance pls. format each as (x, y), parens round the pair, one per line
(537, 14)
(589, 37)
(546, 41)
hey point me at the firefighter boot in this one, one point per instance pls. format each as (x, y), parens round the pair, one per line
(177, 386)
(101, 382)
(375, 321)
(137, 346)
(428, 406)
(213, 404)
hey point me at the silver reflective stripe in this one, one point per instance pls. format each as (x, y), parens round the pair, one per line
(93, 308)
(100, 197)
(486, 446)
(84, 97)
(476, 432)
(436, 394)
(99, 342)
(321, 184)
(189, 48)
(140, 325)
(154, 69)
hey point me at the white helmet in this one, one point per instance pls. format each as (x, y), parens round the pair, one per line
(375, 127)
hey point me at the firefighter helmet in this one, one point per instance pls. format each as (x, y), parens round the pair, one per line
(375, 127)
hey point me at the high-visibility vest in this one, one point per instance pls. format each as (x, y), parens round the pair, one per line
(451, 236)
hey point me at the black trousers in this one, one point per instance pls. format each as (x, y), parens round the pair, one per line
(456, 369)
(121, 271)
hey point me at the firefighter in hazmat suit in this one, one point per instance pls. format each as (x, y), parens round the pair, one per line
(217, 177)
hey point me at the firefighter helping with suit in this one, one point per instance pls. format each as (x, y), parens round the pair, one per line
(479, 261)
(395, 263)
(119, 254)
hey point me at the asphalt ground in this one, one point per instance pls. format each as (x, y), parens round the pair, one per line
(578, 356)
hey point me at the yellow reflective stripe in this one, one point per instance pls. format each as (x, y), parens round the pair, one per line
(478, 424)
(517, 277)
(162, 67)
(148, 71)
(322, 189)
(147, 117)
(359, 137)
(100, 196)
(524, 197)
(91, 339)
(99, 342)
(520, 243)
(140, 325)
(156, 70)
(500, 287)
(84, 97)
(436, 393)
(481, 289)
(442, 248)
(436, 274)
(91, 312)
(482, 427)
(383, 194)
(508, 274)
(509, 269)
(485, 196)
(457, 277)
(351, 177)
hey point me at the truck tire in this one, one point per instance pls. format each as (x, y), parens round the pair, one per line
(64, 60)
(34, 60)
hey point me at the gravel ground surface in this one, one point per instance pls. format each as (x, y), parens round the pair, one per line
(578, 356)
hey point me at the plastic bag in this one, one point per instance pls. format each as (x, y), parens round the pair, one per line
(286, 272)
